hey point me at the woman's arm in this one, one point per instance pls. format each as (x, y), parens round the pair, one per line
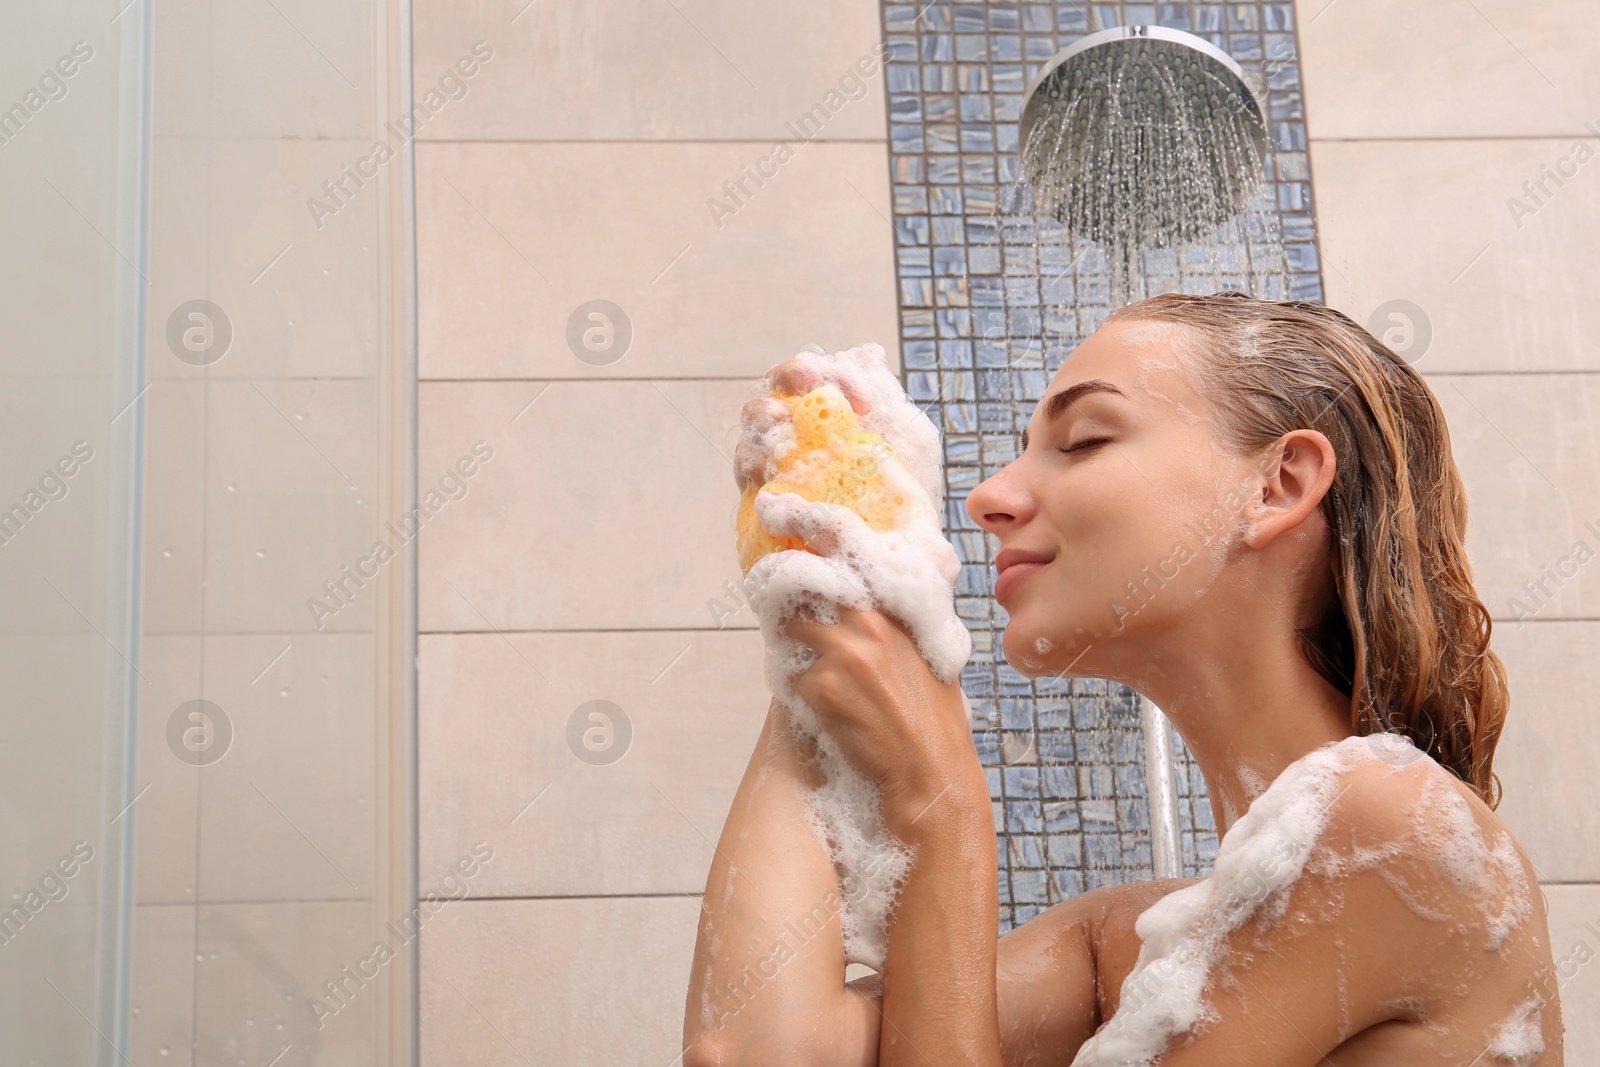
(907, 731)
(767, 980)
(753, 1002)
(767, 984)
(939, 1000)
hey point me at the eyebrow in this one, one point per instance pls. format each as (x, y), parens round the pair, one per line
(1056, 403)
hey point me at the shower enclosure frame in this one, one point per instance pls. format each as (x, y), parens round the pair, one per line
(397, 887)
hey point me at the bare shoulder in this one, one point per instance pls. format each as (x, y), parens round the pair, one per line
(1435, 892)
(1368, 909)
(1404, 828)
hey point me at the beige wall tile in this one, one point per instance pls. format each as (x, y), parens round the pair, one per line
(607, 505)
(166, 813)
(173, 538)
(1428, 222)
(1436, 68)
(1545, 758)
(161, 985)
(1528, 449)
(313, 312)
(495, 713)
(557, 982)
(617, 71)
(180, 92)
(260, 970)
(293, 69)
(287, 814)
(1575, 939)
(513, 238)
(236, 226)
(179, 254)
(289, 504)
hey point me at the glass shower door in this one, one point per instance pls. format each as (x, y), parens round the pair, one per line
(72, 147)
(206, 739)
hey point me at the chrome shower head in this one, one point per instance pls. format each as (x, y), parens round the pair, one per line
(1142, 136)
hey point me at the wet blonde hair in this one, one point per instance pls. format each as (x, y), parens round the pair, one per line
(1401, 628)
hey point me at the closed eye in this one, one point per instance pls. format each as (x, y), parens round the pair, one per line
(1087, 442)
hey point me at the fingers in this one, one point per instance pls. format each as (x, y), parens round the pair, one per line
(752, 456)
(806, 631)
(762, 413)
(852, 622)
(752, 460)
(806, 371)
(825, 528)
(796, 376)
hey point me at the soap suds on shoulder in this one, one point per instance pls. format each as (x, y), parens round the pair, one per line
(1258, 863)
(1520, 1038)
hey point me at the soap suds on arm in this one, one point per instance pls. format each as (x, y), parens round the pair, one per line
(849, 516)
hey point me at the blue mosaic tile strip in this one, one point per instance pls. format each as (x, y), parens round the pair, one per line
(986, 318)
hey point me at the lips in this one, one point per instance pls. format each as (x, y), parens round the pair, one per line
(1016, 566)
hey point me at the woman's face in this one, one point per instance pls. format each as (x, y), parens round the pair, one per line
(1117, 514)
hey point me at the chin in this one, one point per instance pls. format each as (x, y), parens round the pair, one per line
(1031, 653)
(1043, 648)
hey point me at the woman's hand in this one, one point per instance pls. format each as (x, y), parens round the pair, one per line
(894, 720)
(796, 377)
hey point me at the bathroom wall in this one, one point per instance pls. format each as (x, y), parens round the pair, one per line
(1431, 124)
(589, 690)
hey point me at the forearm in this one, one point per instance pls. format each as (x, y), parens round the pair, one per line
(767, 983)
(939, 1001)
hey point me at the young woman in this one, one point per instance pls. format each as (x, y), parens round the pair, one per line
(1279, 487)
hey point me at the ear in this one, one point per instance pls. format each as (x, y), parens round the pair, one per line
(1296, 482)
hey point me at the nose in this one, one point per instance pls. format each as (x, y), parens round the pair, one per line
(1000, 502)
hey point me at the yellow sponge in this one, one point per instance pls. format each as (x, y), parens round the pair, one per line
(833, 460)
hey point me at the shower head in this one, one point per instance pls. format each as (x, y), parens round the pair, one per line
(1142, 136)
